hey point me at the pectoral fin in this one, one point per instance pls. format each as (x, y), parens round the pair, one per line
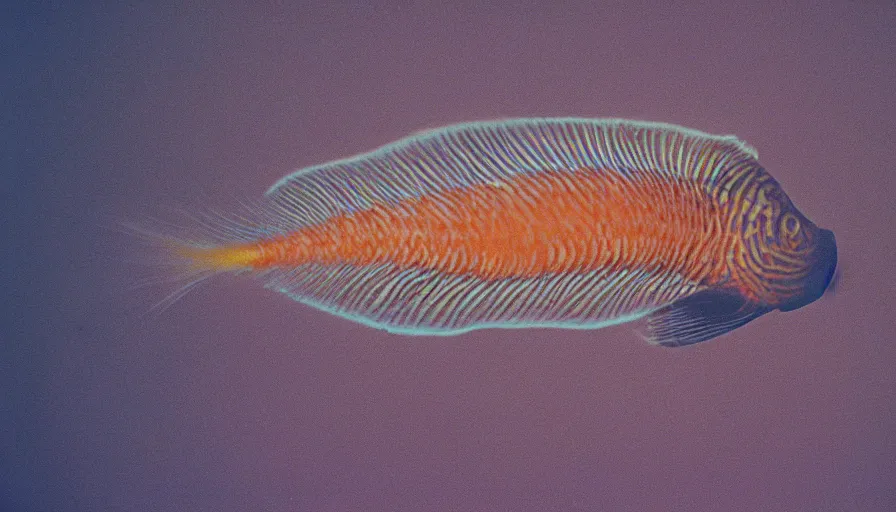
(700, 317)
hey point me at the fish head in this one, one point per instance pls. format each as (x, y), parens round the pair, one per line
(788, 261)
(799, 259)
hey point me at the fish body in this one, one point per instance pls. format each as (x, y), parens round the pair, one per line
(572, 223)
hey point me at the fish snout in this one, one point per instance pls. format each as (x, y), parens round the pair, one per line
(821, 273)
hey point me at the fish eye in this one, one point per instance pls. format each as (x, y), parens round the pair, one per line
(790, 225)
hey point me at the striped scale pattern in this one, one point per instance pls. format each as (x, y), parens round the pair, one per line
(478, 199)
(492, 152)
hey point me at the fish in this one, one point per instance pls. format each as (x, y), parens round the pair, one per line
(537, 222)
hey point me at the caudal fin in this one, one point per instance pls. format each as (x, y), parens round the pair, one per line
(178, 259)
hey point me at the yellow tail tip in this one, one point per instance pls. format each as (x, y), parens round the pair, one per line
(222, 258)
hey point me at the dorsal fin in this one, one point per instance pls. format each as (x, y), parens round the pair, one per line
(491, 152)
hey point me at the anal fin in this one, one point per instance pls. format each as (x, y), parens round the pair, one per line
(700, 317)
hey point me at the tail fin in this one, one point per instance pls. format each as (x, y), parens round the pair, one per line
(186, 257)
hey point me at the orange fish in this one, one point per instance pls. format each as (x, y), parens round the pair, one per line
(571, 223)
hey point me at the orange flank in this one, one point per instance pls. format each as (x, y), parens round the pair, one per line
(549, 222)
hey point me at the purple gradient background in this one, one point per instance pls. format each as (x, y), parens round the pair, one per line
(239, 399)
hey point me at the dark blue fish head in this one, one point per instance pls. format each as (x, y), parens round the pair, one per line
(821, 272)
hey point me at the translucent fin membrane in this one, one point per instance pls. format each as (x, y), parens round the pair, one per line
(420, 301)
(491, 152)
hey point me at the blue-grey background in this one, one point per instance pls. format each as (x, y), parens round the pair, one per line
(236, 398)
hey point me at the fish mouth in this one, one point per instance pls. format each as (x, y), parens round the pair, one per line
(826, 256)
(821, 274)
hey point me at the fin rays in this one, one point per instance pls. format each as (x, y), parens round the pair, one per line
(488, 152)
(420, 301)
